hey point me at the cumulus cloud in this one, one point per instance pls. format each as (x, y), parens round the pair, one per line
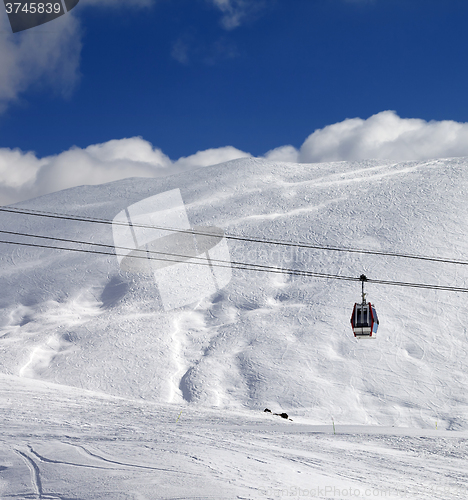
(382, 136)
(210, 157)
(386, 136)
(50, 54)
(46, 55)
(24, 176)
(283, 153)
(43, 55)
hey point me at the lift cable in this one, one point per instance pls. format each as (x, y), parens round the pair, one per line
(255, 267)
(235, 237)
(144, 252)
(220, 263)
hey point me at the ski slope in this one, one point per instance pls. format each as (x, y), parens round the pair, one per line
(107, 395)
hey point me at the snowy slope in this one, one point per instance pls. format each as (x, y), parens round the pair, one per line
(265, 340)
(81, 445)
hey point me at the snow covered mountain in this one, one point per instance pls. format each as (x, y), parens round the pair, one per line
(263, 340)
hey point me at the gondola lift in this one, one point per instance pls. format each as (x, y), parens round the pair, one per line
(364, 320)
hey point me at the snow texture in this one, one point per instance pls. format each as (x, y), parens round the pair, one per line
(104, 394)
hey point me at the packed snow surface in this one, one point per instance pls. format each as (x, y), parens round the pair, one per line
(105, 394)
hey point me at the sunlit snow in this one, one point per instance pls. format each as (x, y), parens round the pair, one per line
(105, 394)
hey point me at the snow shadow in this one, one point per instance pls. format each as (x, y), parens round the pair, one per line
(113, 292)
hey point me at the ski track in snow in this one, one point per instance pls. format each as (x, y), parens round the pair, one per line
(217, 454)
(104, 395)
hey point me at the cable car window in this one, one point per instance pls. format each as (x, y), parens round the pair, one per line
(374, 312)
(361, 317)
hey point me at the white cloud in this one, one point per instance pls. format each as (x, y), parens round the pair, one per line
(46, 55)
(386, 136)
(283, 153)
(210, 157)
(235, 12)
(50, 54)
(382, 136)
(134, 149)
(24, 176)
(42, 56)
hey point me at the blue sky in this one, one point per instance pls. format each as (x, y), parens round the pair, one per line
(190, 75)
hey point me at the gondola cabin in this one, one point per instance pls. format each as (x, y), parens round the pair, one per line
(364, 320)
